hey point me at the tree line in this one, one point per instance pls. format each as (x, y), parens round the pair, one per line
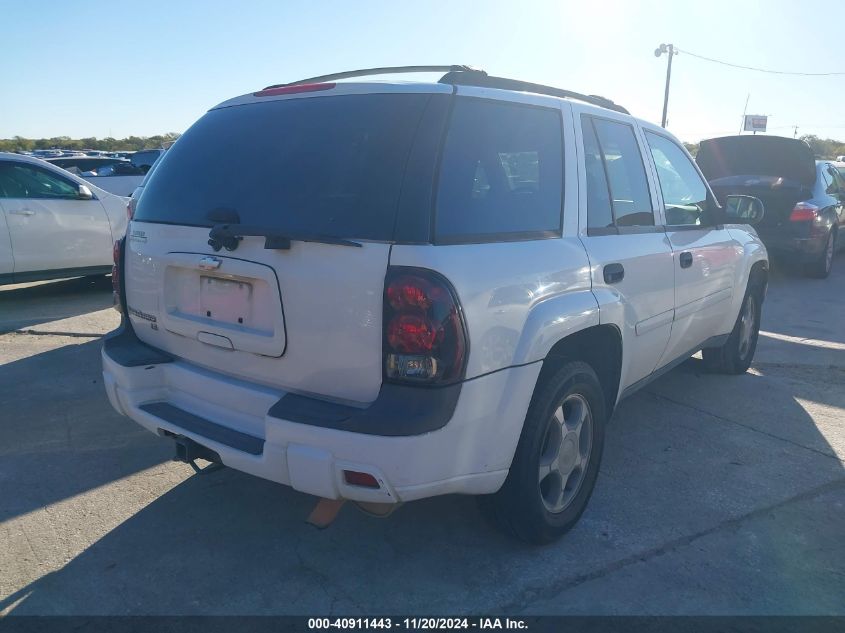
(130, 143)
(823, 148)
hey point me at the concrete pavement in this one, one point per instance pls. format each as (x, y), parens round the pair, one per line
(718, 495)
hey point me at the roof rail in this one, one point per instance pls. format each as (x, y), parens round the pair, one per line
(463, 75)
(483, 80)
(385, 70)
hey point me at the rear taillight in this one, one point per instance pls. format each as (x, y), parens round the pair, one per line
(116, 273)
(424, 331)
(803, 212)
(130, 208)
(290, 90)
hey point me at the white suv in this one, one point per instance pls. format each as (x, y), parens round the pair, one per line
(388, 291)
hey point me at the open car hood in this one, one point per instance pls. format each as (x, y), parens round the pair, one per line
(773, 156)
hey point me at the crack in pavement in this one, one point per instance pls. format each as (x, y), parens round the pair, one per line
(546, 592)
(745, 426)
(58, 333)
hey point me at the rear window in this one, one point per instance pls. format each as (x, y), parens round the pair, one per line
(501, 173)
(328, 166)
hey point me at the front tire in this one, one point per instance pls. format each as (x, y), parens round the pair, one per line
(557, 460)
(735, 356)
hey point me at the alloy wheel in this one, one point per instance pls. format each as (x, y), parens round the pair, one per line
(565, 453)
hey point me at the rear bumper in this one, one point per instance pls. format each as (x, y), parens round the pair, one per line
(805, 249)
(245, 425)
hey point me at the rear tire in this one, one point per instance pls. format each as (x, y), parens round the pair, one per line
(735, 356)
(557, 460)
(820, 269)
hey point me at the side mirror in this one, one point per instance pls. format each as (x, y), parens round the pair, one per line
(744, 210)
(85, 193)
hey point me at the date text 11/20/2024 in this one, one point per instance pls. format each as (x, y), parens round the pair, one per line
(435, 624)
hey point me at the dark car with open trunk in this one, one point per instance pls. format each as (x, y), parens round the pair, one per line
(804, 198)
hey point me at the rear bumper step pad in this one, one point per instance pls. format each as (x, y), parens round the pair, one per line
(205, 428)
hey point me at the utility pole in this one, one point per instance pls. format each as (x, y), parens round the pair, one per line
(670, 49)
(744, 111)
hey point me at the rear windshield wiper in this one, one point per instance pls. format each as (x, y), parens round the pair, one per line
(228, 236)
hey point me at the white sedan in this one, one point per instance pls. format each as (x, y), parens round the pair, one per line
(54, 224)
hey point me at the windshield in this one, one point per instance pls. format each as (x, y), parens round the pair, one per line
(322, 165)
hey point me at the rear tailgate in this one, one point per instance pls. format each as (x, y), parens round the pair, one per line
(304, 318)
(307, 319)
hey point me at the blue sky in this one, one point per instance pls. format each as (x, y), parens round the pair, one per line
(100, 68)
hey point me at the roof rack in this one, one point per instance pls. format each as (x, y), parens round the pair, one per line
(483, 80)
(463, 75)
(384, 70)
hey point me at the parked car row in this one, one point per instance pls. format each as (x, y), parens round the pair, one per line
(46, 154)
(116, 175)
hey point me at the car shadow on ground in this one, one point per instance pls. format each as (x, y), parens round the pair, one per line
(59, 436)
(25, 306)
(675, 470)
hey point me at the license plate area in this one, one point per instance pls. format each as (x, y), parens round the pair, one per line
(240, 301)
(226, 300)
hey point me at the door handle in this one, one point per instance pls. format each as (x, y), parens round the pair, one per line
(686, 259)
(613, 273)
(22, 212)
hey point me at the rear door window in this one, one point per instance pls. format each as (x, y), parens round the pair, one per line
(501, 174)
(329, 166)
(625, 173)
(617, 188)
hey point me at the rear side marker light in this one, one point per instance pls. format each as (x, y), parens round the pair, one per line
(355, 478)
(804, 212)
(290, 90)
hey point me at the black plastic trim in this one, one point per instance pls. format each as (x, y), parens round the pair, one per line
(713, 341)
(415, 211)
(205, 428)
(126, 349)
(398, 410)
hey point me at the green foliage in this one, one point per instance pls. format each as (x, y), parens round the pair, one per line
(19, 143)
(824, 148)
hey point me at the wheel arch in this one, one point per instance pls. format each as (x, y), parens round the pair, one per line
(600, 346)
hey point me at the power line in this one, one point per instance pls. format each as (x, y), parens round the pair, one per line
(760, 70)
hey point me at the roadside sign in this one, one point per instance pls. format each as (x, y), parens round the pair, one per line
(755, 123)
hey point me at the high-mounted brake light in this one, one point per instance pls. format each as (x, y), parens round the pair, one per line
(803, 212)
(424, 331)
(290, 90)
